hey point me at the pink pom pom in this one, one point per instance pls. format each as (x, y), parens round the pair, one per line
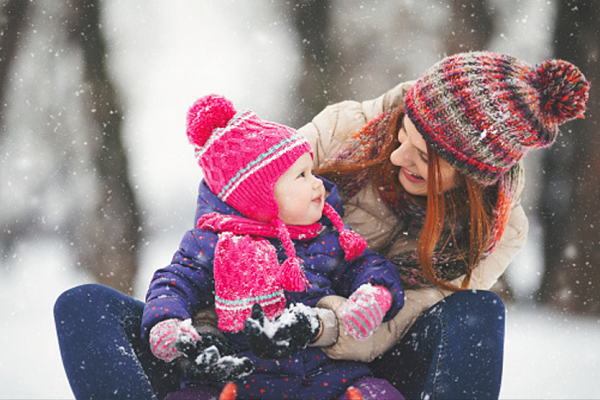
(353, 244)
(207, 114)
(564, 90)
(292, 276)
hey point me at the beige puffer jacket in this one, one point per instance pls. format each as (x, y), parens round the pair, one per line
(367, 214)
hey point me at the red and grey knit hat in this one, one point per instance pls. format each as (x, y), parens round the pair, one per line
(483, 111)
(242, 157)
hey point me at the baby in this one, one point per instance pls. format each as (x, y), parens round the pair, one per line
(268, 245)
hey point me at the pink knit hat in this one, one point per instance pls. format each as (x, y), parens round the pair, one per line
(242, 158)
(241, 155)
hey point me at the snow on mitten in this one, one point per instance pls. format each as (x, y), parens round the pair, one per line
(211, 359)
(165, 334)
(283, 336)
(363, 312)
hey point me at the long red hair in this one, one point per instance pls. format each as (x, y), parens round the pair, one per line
(465, 204)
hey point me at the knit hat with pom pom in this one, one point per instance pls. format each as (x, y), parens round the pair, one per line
(242, 158)
(483, 111)
(241, 155)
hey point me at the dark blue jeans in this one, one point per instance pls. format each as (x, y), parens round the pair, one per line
(453, 351)
(103, 355)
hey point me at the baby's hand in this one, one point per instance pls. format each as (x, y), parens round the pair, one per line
(285, 335)
(211, 359)
(363, 312)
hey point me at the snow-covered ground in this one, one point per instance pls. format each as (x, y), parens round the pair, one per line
(547, 355)
(166, 56)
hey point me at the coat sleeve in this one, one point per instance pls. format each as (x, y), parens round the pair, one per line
(512, 241)
(186, 285)
(384, 338)
(333, 126)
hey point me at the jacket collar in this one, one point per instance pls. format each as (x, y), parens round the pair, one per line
(208, 202)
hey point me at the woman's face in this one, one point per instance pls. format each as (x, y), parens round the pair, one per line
(412, 159)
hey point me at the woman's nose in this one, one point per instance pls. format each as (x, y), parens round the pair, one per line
(399, 156)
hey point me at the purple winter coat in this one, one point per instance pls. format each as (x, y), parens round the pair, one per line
(187, 285)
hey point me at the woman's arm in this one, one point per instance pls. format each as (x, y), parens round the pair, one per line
(336, 123)
(417, 301)
(384, 338)
(512, 241)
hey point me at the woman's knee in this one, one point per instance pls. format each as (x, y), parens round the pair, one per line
(474, 307)
(90, 303)
(84, 296)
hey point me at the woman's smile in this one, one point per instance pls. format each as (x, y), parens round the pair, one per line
(414, 178)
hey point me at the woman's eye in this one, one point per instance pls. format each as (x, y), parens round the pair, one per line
(423, 158)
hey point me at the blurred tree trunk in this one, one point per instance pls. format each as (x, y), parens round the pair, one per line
(570, 212)
(471, 27)
(13, 20)
(111, 235)
(311, 20)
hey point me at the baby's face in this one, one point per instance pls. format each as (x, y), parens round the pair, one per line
(299, 194)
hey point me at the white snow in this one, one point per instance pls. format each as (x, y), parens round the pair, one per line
(167, 54)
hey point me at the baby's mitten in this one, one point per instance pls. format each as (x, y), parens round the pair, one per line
(283, 336)
(211, 359)
(363, 312)
(165, 334)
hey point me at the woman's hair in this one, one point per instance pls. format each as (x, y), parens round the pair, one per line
(465, 204)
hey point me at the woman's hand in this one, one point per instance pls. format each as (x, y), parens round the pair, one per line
(285, 335)
(363, 312)
(165, 334)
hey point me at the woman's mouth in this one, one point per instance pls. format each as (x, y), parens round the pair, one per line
(414, 178)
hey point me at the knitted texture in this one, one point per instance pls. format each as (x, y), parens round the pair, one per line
(363, 312)
(246, 269)
(246, 272)
(165, 334)
(241, 155)
(483, 111)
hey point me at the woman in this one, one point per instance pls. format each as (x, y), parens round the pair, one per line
(430, 176)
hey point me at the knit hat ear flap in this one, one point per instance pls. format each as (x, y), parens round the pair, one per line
(564, 91)
(292, 276)
(352, 243)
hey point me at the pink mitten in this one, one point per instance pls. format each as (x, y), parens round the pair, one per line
(164, 335)
(363, 312)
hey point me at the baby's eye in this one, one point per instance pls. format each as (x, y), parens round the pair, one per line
(302, 175)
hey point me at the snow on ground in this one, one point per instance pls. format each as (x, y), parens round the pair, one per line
(547, 355)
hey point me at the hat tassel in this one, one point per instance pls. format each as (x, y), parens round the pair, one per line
(292, 276)
(352, 243)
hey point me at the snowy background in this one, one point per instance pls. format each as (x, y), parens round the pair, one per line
(164, 55)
